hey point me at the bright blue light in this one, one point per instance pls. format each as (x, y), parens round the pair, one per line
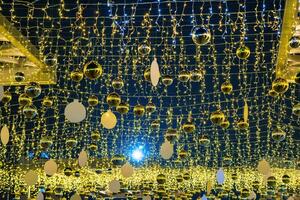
(137, 155)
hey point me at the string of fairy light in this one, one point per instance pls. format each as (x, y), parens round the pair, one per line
(124, 38)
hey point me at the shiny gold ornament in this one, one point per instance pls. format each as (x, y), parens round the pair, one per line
(113, 99)
(297, 78)
(171, 135)
(201, 35)
(225, 124)
(47, 102)
(271, 181)
(76, 75)
(24, 100)
(144, 48)
(92, 70)
(183, 76)
(150, 107)
(196, 75)
(226, 87)
(123, 108)
(217, 117)
(245, 193)
(242, 125)
(188, 127)
(139, 110)
(19, 76)
(278, 135)
(280, 85)
(93, 100)
(296, 109)
(243, 52)
(6, 97)
(161, 179)
(204, 141)
(95, 135)
(58, 191)
(70, 143)
(68, 171)
(179, 178)
(167, 80)
(147, 75)
(234, 176)
(46, 142)
(186, 176)
(155, 124)
(182, 154)
(93, 147)
(77, 173)
(33, 89)
(117, 83)
(294, 42)
(286, 179)
(29, 111)
(118, 160)
(272, 93)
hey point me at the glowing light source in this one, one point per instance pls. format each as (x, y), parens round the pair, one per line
(137, 154)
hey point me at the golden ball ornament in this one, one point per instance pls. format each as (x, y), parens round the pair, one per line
(68, 171)
(217, 117)
(242, 125)
(155, 124)
(118, 160)
(183, 154)
(245, 193)
(286, 179)
(46, 142)
(19, 76)
(47, 102)
(179, 178)
(150, 107)
(6, 97)
(204, 141)
(93, 147)
(144, 48)
(24, 100)
(161, 179)
(188, 127)
(278, 134)
(76, 75)
(255, 185)
(226, 87)
(280, 85)
(113, 99)
(167, 80)
(123, 108)
(30, 111)
(184, 76)
(33, 89)
(118, 83)
(71, 142)
(139, 110)
(271, 181)
(95, 135)
(272, 93)
(234, 176)
(294, 42)
(171, 134)
(225, 124)
(243, 52)
(93, 100)
(108, 120)
(147, 75)
(186, 176)
(201, 35)
(92, 70)
(196, 75)
(296, 109)
(297, 78)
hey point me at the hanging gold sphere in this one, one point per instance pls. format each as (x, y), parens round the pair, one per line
(95, 135)
(76, 76)
(58, 191)
(155, 124)
(24, 99)
(234, 176)
(139, 110)
(117, 83)
(182, 154)
(197, 75)
(188, 127)
(47, 102)
(29, 111)
(296, 109)
(123, 108)
(242, 125)
(280, 85)
(19, 77)
(286, 179)
(118, 160)
(201, 35)
(167, 80)
(204, 141)
(68, 171)
(46, 142)
(92, 70)
(70, 143)
(179, 178)
(171, 135)
(225, 124)
(294, 42)
(183, 76)
(113, 99)
(243, 52)
(147, 75)
(161, 179)
(226, 87)
(245, 193)
(150, 107)
(144, 48)
(272, 93)
(297, 78)
(186, 176)
(217, 117)
(271, 182)
(33, 89)
(6, 97)
(93, 100)
(278, 135)
(93, 147)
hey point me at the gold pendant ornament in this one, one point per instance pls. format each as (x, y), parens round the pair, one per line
(93, 100)
(272, 93)
(294, 42)
(242, 124)
(226, 87)
(139, 110)
(118, 83)
(47, 102)
(278, 134)
(280, 85)
(24, 100)
(243, 52)
(95, 135)
(171, 135)
(217, 117)
(92, 70)
(19, 76)
(6, 97)
(225, 124)
(167, 80)
(201, 35)
(123, 108)
(150, 107)
(33, 89)
(296, 109)
(46, 142)
(196, 75)
(155, 124)
(118, 160)
(204, 141)
(29, 111)
(161, 179)
(76, 75)
(183, 76)
(71, 142)
(147, 75)
(113, 99)
(144, 48)
(188, 127)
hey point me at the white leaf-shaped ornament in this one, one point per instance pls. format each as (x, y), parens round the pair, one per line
(220, 176)
(154, 72)
(1, 92)
(252, 195)
(264, 167)
(40, 196)
(50, 167)
(31, 178)
(108, 120)
(127, 170)
(4, 135)
(166, 150)
(75, 112)
(75, 197)
(246, 111)
(82, 158)
(147, 197)
(114, 186)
